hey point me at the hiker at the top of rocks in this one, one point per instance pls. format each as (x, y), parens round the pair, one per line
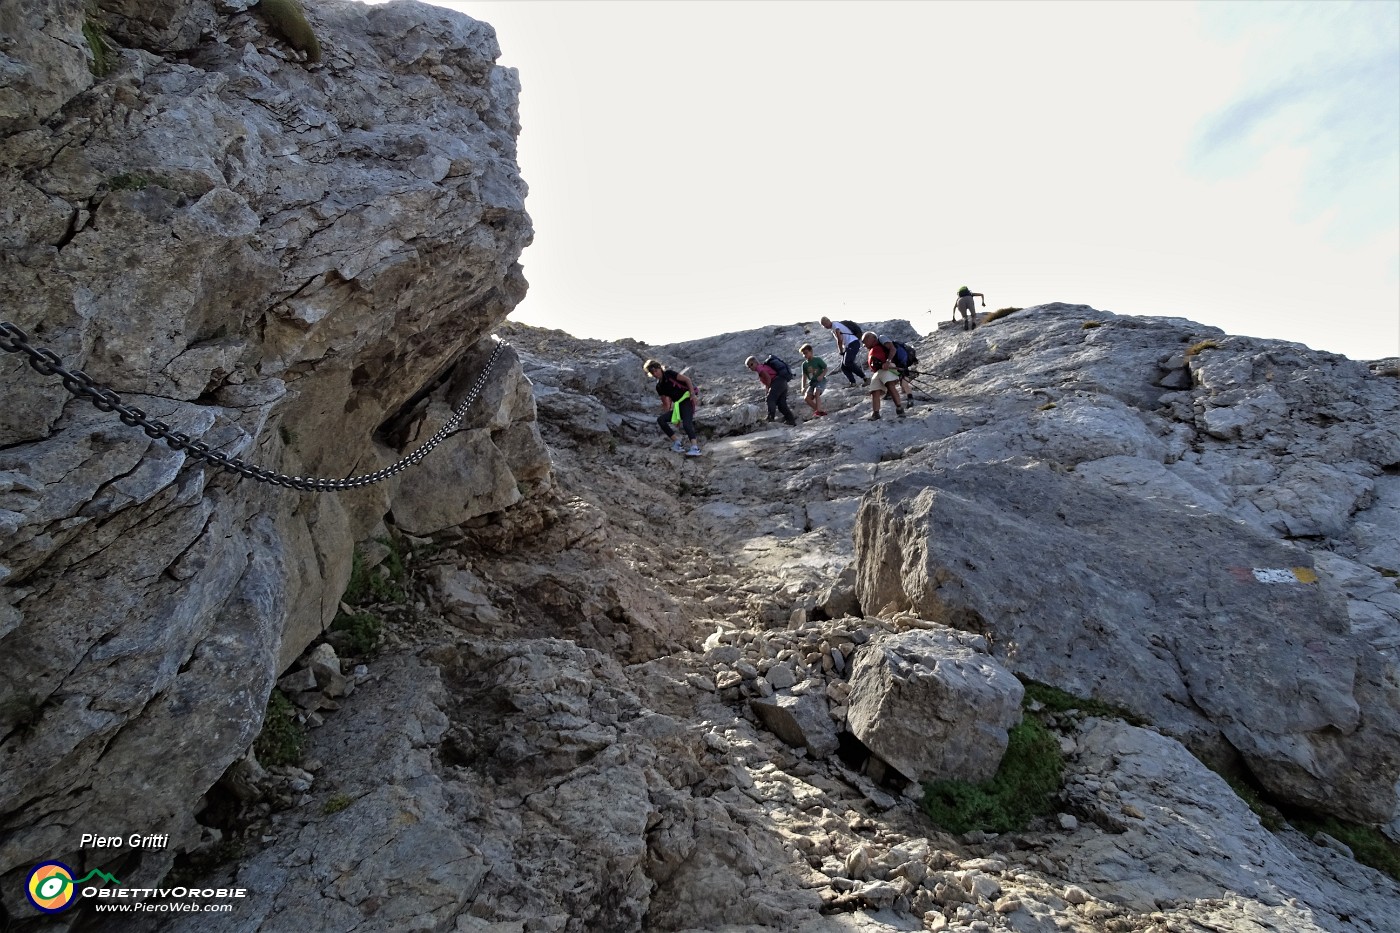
(813, 379)
(967, 307)
(886, 378)
(775, 376)
(678, 397)
(847, 334)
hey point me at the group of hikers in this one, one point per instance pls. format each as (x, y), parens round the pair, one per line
(890, 362)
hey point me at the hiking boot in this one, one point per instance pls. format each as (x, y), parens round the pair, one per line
(865, 384)
(693, 451)
(792, 422)
(677, 446)
(874, 416)
(899, 411)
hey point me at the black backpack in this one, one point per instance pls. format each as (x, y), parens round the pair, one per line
(853, 327)
(778, 366)
(904, 355)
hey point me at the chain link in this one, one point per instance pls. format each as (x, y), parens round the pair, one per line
(47, 363)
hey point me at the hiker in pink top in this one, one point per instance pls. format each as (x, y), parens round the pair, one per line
(775, 376)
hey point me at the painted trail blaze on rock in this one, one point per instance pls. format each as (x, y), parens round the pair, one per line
(1286, 575)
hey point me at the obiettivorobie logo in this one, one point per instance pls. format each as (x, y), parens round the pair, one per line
(53, 889)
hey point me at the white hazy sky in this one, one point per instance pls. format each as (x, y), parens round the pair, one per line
(703, 167)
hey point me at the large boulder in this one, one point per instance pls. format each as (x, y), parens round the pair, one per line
(934, 704)
(1212, 630)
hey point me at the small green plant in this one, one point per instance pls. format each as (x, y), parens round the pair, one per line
(364, 632)
(1046, 407)
(1090, 325)
(1199, 346)
(128, 181)
(370, 585)
(1269, 816)
(1058, 701)
(1369, 845)
(337, 803)
(998, 314)
(281, 739)
(1023, 788)
(100, 46)
(289, 437)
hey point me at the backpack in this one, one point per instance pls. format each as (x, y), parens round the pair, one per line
(669, 386)
(853, 327)
(904, 355)
(778, 366)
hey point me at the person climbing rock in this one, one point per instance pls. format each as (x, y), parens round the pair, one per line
(813, 379)
(678, 395)
(903, 358)
(848, 348)
(886, 378)
(967, 307)
(775, 375)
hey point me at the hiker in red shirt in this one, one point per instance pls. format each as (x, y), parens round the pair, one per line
(886, 378)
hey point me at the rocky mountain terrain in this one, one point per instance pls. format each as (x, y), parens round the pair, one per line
(688, 694)
(571, 680)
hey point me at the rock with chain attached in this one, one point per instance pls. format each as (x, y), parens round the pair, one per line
(298, 273)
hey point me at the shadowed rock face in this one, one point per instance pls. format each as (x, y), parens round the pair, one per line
(278, 261)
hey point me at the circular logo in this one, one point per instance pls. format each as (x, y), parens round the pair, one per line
(50, 887)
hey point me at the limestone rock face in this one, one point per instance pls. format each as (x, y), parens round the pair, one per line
(572, 716)
(298, 267)
(934, 704)
(1121, 542)
(1139, 792)
(1222, 634)
(43, 64)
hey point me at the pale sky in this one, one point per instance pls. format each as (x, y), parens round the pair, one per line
(703, 167)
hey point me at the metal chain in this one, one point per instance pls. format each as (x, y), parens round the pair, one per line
(46, 363)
